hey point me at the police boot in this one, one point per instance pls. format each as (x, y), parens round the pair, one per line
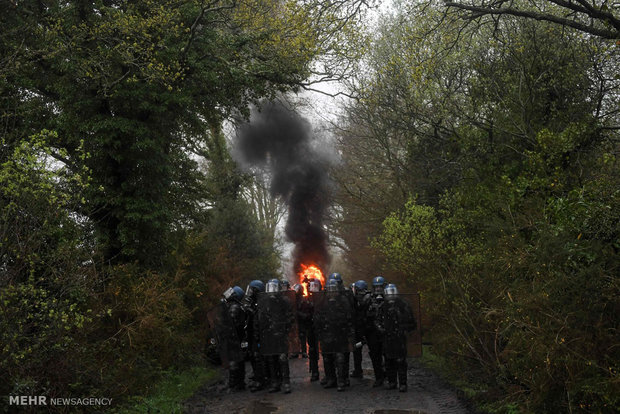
(379, 374)
(241, 376)
(347, 364)
(390, 373)
(402, 375)
(329, 383)
(258, 374)
(273, 375)
(390, 385)
(261, 378)
(325, 370)
(256, 386)
(314, 369)
(341, 371)
(236, 376)
(357, 364)
(286, 374)
(330, 371)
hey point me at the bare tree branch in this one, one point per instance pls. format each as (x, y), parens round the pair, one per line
(603, 24)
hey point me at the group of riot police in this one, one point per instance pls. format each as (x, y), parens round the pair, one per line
(270, 323)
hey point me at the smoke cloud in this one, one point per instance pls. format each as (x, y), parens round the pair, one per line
(279, 139)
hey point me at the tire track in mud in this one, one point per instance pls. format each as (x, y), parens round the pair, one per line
(427, 394)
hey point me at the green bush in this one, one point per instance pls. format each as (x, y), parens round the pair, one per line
(532, 309)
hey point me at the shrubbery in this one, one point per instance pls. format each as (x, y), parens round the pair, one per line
(72, 326)
(521, 279)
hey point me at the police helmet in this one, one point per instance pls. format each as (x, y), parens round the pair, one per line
(378, 283)
(336, 277)
(360, 287)
(258, 284)
(238, 292)
(285, 284)
(233, 293)
(298, 288)
(228, 293)
(314, 285)
(332, 286)
(254, 287)
(391, 290)
(273, 285)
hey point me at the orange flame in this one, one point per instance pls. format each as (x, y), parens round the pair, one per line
(309, 272)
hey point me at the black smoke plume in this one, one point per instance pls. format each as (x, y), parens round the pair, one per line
(281, 140)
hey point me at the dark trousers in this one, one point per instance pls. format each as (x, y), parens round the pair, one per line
(278, 368)
(236, 374)
(357, 353)
(259, 371)
(396, 367)
(313, 350)
(375, 351)
(329, 366)
(336, 368)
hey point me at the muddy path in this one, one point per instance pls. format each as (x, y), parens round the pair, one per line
(427, 394)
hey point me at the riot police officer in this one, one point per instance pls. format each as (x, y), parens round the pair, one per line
(334, 321)
(276, 320)
(304, 319)
(360, 291)
(373, 302)
(259, 377)
(351, 298)
(314, 288)
(394, 320)
(232, 303)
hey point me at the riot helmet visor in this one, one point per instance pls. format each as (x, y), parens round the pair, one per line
(272, 286)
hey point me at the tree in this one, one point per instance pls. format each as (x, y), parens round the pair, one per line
(596, 18)
(143, 84)
(46, 272)
(496, 136)
(268, 209)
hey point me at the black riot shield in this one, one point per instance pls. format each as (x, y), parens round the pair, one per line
(227, 341)
(276, 313)
(333, 320)
(400, 317)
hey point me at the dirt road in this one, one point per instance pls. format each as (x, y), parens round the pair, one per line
(427, 394)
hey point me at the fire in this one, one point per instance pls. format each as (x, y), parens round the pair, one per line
(309, 272)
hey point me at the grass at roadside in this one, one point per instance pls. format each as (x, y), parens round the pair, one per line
(440, 366)
(168, 395)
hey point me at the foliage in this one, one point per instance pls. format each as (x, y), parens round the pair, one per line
(44, 280)
(143, 84)
(493, 136)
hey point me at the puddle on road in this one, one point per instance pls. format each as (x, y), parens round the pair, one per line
(262, 407)
(397, 412)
